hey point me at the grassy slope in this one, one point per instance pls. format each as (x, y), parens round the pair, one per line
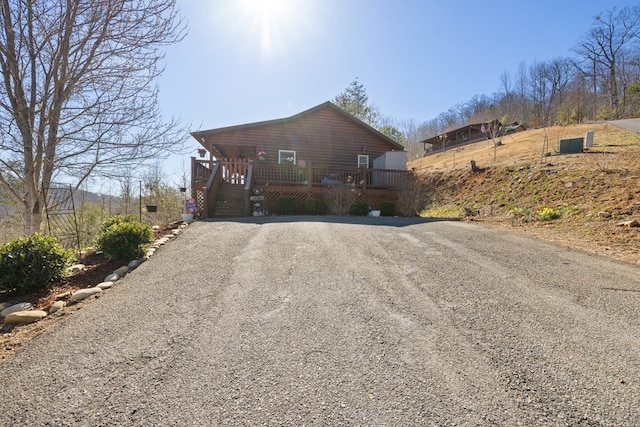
(513, 190)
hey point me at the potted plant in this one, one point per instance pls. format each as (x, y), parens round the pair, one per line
(262, 155)
(190, 209)
(186, 215)
(202, 151)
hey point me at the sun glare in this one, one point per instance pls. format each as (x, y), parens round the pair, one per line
(271, 23)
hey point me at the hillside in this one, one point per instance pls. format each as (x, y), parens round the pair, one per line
(577, 200)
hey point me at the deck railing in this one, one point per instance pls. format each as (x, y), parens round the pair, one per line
(250, 174)
(319, 176)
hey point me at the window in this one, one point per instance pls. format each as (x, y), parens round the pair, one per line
(286, 157)
(363, 161)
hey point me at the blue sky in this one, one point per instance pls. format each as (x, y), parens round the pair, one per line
(252, 60)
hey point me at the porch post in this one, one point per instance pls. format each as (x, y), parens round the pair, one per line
(193, 173)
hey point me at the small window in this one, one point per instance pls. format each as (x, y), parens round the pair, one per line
(363, 161)
(286, 157)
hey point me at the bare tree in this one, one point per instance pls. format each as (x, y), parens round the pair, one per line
(603, 48)
(78, 91)
(521, 84)
(548, 83)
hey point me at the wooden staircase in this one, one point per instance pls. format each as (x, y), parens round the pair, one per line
(229, 201)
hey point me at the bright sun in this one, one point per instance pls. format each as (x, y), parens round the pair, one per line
(271, 22)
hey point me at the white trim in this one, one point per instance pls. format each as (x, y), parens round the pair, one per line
(363, 160)
(280, 158)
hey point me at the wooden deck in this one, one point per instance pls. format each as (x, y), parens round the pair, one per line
(269, 183)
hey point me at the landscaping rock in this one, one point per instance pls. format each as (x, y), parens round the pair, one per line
(25, 316)
(104, 285)
(76, 268)
(633, 223)
(63, 295)
(21, 306)
(604, 214)
(57, 306)
(84, 293)
(135, 263)
(122, 271)
(5, 305)
(112, 277)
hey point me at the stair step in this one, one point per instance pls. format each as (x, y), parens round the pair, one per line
(229, 201)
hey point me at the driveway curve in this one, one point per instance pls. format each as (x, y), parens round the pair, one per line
(343, 321)
(632, 125)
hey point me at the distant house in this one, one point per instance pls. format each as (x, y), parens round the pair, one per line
(299, 156)
(468, 134)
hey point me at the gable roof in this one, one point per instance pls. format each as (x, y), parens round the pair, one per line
(328, 104)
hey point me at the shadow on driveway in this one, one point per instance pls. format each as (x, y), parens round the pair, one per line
(387, 221)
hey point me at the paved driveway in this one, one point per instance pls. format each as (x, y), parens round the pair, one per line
(330, 321)
(632, 125)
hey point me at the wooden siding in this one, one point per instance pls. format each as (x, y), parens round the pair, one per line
(322, 136)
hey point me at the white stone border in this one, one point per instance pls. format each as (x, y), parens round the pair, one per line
(23, 312)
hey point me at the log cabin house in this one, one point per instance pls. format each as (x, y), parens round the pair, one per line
(250, 167)
(468, 134)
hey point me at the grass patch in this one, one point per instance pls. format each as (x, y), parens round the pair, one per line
(442, 212)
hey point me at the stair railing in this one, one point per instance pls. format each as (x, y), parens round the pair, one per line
(211, 192)
(247, 189)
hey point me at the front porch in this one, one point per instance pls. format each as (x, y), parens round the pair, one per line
(226, 187)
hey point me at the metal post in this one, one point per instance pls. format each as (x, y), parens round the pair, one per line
(140, 200)
(75, 221)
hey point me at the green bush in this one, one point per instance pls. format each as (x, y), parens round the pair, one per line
(123, 237)
(387, 209)
(312, 206)
(287, 205)
(117, 220)
(32, 263)
(360, 208)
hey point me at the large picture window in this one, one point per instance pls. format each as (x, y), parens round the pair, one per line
(286, 157)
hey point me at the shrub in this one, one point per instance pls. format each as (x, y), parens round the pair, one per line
(360, 208)
(117, 220)
(287, 205)
(33, 263)
(413, 195)
(387, 208)
(124, 238)
(312, 206)
(340, 198)
(547, 214)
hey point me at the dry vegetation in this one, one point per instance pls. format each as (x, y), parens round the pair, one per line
(576, 200)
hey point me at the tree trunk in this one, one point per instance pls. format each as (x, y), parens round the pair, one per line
(32, 214)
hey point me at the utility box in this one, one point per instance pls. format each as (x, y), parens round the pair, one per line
(396, 160)
(571, 145)
(391, 160)
(588, 139)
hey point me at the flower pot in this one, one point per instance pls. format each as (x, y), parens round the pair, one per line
(152, 208)
(187, 217)
(261, 158)
(201, 153)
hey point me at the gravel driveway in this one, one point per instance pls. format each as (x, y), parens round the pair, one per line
(343, 321)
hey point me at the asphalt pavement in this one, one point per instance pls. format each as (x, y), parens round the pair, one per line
(632, 125)
(343, 322)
